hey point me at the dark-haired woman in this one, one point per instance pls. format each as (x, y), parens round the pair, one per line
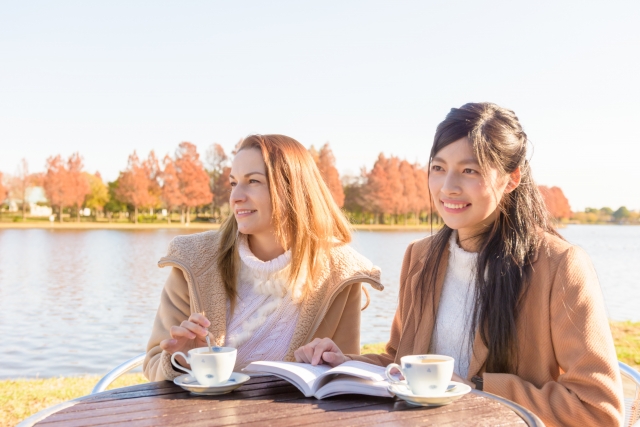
(531, 327)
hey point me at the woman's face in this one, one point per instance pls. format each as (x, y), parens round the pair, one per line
(466, 199)
(250, 200)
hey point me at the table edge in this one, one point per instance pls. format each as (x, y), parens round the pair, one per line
(529, 417)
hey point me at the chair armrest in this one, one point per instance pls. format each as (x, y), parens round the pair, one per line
(116, 372)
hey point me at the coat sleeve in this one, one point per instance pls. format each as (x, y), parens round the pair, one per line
(391, 348)
(173, 310)
(588, 391)
(341, 323)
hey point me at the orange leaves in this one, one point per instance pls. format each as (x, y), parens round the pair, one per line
(194, 181)
(326, 163)
(65, 184)
(557, 203)
(3, 190)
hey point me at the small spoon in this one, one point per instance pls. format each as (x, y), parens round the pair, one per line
(209, 344)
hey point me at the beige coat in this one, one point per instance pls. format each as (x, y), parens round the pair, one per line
(567, 372)
(194, 285)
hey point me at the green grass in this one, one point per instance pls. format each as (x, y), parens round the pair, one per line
(22, 398)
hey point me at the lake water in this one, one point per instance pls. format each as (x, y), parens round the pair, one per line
(76, 302)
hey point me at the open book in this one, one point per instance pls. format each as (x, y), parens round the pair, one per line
(322, 381)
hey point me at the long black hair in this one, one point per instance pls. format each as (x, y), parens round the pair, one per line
(508, 247)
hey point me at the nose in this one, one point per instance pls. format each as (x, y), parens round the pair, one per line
(237, 194)
(451, 184)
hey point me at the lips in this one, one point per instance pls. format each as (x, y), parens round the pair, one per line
(244, 212)
(454, 206)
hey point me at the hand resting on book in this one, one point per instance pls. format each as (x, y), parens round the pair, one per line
(320, 351)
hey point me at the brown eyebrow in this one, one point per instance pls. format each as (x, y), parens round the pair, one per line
(247, 175)
(470, 160)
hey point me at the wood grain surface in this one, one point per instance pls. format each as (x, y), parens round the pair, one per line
(267, 401)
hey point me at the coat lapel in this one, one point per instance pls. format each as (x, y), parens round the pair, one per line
(423, 321)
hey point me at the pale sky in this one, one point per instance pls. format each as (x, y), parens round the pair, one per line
(366, 76)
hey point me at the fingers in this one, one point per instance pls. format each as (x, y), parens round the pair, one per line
(333, 359)
(199, 319)
(314, 352)
(170, 345)
(188, 330)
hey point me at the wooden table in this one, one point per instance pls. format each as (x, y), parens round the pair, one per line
(268, 401)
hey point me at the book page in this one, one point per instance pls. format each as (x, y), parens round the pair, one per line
(358, 369)
(302, 375)
(351, 385)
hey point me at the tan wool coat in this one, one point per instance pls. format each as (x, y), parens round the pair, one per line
(194, 285)
(567, 372)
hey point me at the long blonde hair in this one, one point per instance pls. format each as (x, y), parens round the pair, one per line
(305, 217)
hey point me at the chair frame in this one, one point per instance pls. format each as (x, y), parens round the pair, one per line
(630, 373)
(118, 371)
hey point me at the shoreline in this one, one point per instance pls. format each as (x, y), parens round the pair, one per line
(42, 225)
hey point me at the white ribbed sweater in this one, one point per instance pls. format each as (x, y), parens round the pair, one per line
(265, 315)
(455, 309)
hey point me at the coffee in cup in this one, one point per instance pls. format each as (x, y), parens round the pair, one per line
(209, 368)
(426, 374)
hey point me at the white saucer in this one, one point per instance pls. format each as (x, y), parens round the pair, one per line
(405, 393)
(189, 383)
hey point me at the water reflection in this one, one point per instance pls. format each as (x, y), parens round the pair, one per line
(74, 302)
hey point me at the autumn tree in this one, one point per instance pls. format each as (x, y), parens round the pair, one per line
(171, 195)
(396, 201)
(76, 184)
(54, 183)
(134, 185)
(20, 183)
(556, 202)
(409, 189)
(326, 162)
(98, 195)
(194, 181)
(152, 167)
(423, 197)
(377, 191)
(219, 171)
(3, 190)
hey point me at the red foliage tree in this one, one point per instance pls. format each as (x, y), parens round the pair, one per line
(556, 202)
(326, 162)
(134, 185)
(409, 190)
(194, 181)
(219, 171)
(20, 183)
(154, 172)
(76, 183)
(422, 187)
(171, 194)
(396, 201)
(3, 190)
(377, 191)
(54, 183)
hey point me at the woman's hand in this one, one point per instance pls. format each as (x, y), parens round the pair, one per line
(190, 334)
(320, 351)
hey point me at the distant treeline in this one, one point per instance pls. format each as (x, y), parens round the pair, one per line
(393, 191)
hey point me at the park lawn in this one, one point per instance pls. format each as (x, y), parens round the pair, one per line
(24, 397)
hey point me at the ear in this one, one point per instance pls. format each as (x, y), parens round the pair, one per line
(514, 180)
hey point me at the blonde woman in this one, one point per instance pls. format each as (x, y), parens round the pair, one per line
(277, 274)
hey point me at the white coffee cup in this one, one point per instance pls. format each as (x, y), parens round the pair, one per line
(209, 368)
(426, 374)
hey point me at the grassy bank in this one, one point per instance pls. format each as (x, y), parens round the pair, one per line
(24, 397)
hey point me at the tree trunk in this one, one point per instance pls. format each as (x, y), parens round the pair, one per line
(77, 213)
(24, 209)
(135, 214)
(181, 214)
(188, 216)
(168, 215)
(60, 214)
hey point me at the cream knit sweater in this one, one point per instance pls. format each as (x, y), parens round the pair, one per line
(265, 316)
(453, 321)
